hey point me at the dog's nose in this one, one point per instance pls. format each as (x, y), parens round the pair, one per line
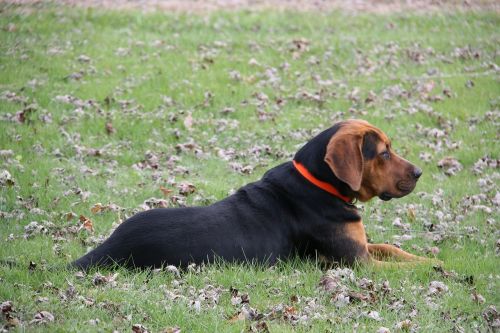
(417, 172)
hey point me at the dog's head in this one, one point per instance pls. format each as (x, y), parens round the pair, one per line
(360, 155)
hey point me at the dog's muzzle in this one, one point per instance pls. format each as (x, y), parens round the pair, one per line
(405, 186)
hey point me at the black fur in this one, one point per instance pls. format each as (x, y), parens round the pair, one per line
(278, 216)
(369, 149)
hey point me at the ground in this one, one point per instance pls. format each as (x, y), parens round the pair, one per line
(111, 108)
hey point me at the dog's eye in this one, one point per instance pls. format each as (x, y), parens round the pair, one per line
(385, 155)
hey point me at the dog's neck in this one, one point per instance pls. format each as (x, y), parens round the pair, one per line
(312, 157)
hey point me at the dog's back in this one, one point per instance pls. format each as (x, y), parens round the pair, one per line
(243, 227)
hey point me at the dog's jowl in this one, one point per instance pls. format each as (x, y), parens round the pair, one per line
(300, 208)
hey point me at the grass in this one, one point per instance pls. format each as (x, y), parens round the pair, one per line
(148, 74)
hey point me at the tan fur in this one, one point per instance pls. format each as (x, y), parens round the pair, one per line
(368, 179)
(356, 231)
(343, 155)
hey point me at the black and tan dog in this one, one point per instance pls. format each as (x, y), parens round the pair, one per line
(300, 208)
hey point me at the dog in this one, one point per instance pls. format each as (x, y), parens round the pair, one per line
(300, 208)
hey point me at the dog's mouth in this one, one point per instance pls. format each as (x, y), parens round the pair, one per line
(385, 196)
(404, 187)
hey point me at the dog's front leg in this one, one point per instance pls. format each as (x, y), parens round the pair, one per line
(342, 243)
(384, 252)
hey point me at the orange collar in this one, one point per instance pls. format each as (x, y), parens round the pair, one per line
(321, 184)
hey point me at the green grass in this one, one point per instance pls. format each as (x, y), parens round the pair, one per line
(136, 60)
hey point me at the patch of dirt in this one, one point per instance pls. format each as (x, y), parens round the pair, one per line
(207, 6)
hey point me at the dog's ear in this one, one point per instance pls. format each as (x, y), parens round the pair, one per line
(344, 156)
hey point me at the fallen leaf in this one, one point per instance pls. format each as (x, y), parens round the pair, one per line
(100, 279)
(83, 58)
(109, 128)
(7, 307)
(32, 266)
(477, 298)
(186, 188)
(404, 325)
(341, 299)
(139, 328)
(245, 299)
(492, 317)
(357, 296)
(86, 224)
(154, 203)
(11, 322)
(374, 315)
(174, 329)
(166, 192)
(450, 165)
(97, 208)
(227, 110)
(173, 270)
(188, 121)
(42, 317)
(238, 316)
(262, 327)
(94, 322)
(6, 179)
(437, 288)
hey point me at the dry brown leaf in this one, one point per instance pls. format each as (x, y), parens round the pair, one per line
(6, 179)
(11, 322)
(478, 298)
(166, 192)
(186, 188)
(404, 325)
(86, 223)
(437, 288)
(174, 329)
(450, 165)
(97, 208)
(100, 279)
(42, 317)
(492, 317)
(109, 128)
(238, 316)
(6, 307)
(262, 327)
(139, 328)
(357, 296)
(31, 266)
(188, 121)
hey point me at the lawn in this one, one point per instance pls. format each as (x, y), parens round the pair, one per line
(107, 113)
